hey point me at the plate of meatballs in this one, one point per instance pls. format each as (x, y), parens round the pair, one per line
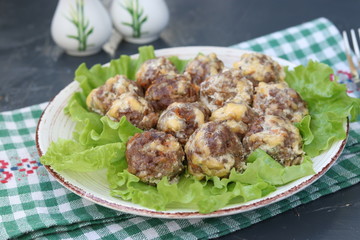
(205, 121)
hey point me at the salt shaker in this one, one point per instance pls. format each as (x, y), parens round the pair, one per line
(81, 27)
(139, 21)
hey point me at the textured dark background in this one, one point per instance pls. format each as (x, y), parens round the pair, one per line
(33, 70)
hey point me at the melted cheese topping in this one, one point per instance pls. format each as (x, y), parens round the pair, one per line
(121, 86)
(229, 111)
(112, 113)
(251, 65)
(237, 127)
(127, 101)
(199, 116)
(242, 86)
(95, 104)
(275, 134)
(212, 166)
(182, 87)
(257, 70)
(173, 123)
(159, 65)
(264, 88)
(169, 146)
(90, 98)
(232, 113)
(135, 104)
(200, 142)
(112, 80)
(271, 140)
(219, 165)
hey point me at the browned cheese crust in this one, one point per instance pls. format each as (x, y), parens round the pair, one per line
(136, 110)
(238, 117)
(100, 99)
(228, 86)
(203, 66)
(278, 137)
(152, 69)
(258, 67)
(153, 155)
(213, 150)
(170, 89)
(182, 119)
(280, 100)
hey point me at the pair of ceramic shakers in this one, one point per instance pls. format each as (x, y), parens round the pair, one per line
(82, 27)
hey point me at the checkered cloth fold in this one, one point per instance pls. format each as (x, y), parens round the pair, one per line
(34, 205)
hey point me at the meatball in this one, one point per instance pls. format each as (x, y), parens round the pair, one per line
(136, 110)
(152, 69)
(213, 150)
(203, 66)
(280, 100)
(170, 89)
(182, 119)
(258, 67)
(278, 137)
(238, 117)
(228, 86)
(100, 99)
(153, 155)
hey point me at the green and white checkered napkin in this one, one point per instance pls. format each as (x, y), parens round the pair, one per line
(33, 204)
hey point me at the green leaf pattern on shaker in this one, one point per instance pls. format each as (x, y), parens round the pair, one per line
(77, 17)
(137, 16)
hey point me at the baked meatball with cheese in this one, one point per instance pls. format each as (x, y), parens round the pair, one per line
(182, 119)
(152, 155)
(280, 100)
(136, 110)
(100, 99)
(238, 117)
(258, 67)
(278, 137)
(202, 66)
(152, 69)
(213, 150)
(228, 86)
(171, 88)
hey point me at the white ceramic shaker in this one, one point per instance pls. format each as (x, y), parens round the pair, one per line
(139, 21)
(81, 27)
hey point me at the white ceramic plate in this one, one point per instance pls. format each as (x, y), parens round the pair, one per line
(93, 186)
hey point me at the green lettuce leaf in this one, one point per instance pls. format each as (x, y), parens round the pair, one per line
(69, 154)
(180, 64)
(260, 178)
(95, 135)
(98, 74)
(93, 129)
(328, 104)
(262, 166)
(305, 131)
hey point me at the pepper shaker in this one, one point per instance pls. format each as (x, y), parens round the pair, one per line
(81, 27)
(140, 21)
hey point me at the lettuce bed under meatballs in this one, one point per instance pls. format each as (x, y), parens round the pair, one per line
(100, 143)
